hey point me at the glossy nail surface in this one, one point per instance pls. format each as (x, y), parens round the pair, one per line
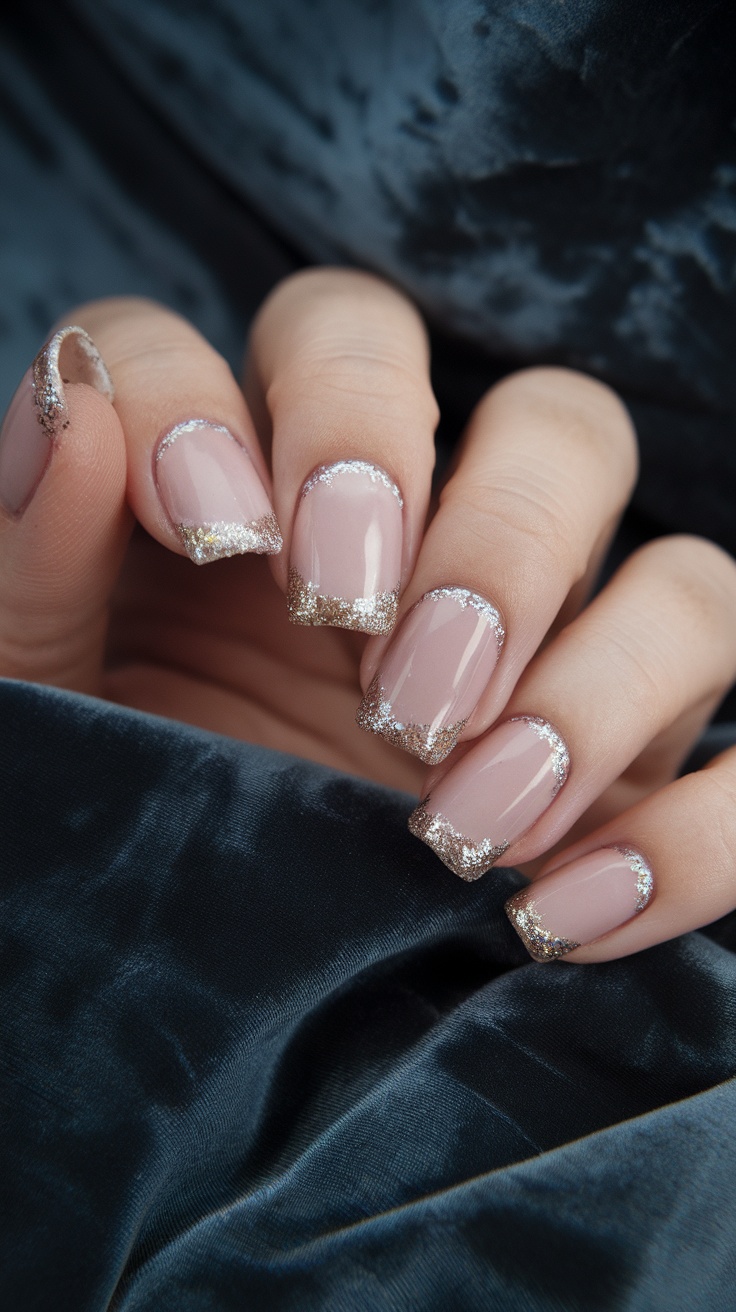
(345, 565)
(38, 415)
(433, 673)
(493, 795)
(213, 495)
(581, 901)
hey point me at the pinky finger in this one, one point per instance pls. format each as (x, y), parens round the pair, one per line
(666, 866)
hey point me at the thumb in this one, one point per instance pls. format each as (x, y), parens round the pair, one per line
(64, 524)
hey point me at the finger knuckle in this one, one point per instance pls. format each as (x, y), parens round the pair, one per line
(533, 526)
(698, 574)
(356, 376)
(585, 411)
(712, 798)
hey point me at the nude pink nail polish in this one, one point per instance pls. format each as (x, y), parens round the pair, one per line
(212, 493)
(493, 795)
(345, 566)
(38, 415)
(433, 673)
(581, 901)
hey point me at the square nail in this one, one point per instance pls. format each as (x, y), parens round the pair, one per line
(581, 901)
(212, 493)
(493, 795)
(434, 672)
(345, 565)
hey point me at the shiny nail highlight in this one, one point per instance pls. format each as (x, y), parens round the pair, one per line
(435, 670)
(581, 901)
(212, 493)
(345, 565)
(493, 795)
(38, 412)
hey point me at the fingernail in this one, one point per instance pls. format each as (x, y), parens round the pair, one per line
(38, 412)
(345, 565)
(212, 493)
(581, 901)
(433, 673)
(493, 795)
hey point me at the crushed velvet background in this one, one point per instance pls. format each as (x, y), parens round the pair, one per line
(259, 1049)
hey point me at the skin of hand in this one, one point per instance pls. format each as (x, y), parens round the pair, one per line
(536, 728)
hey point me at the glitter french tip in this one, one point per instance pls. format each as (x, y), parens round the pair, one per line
(345, 564)
(493, 795)
(581, 902)
(38, 413)
(434, 672)
(212, 494)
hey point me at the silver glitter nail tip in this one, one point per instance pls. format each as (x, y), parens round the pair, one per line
(465, 858)
(374, 615)
(644, 876)
(206, 542)
(465, 599)
(327, 473)
(539, 941)
(557, 745)
(430, 744)
(70, 356)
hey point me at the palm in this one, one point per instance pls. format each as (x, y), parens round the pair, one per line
(213, 647)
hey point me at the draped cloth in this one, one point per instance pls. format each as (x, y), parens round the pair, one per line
(259, 1049)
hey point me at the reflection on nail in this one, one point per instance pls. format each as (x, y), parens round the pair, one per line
(38, 412)
(345, 565)
(212, 493)
(493, 795)
(581, 901)
(434, 672)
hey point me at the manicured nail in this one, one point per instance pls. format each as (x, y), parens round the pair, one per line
(345, 565)
(38, 414)
(493, 795)
(581, 901)
(434, 672)
(213, 495)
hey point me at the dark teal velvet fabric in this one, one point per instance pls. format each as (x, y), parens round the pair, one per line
(261, 1051)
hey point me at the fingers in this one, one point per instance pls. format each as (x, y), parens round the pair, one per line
(339, 374)
(657, 642)
(197, 479)
(546, 469)
(63, 520)
(666, 866)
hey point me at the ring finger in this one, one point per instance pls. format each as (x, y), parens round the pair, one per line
(656, 647)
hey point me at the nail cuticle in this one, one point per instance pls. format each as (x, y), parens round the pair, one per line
(494, 795)
(434, 672)
(581, 901)
(212, 493)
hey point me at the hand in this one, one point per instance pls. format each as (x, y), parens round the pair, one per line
(570, 720)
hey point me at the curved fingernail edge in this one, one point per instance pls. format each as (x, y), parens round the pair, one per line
(580, 902)
(345, 565)
(38, 413)
(493, 796)
(434, 672)
(212, 494)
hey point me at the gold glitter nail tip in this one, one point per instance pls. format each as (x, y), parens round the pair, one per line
(207, 542)
(464, 857)
(374, 615)
(540, 942)
(431, 745)
(70, 356)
